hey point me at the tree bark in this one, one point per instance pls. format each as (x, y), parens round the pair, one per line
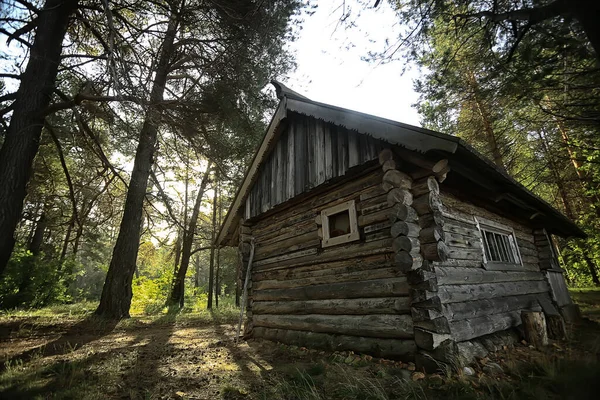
(117, 292)
(37, 240)
(23, 135)
(178, 291)
(211, 270)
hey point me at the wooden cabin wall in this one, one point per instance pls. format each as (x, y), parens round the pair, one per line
(476, 301)
(308, 153)
(344, 297)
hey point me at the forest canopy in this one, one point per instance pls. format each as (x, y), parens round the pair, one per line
(126, 126)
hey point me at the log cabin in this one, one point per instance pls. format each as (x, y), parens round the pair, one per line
(370, 235)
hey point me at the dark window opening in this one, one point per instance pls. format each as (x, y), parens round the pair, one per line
(339, 224)
(499, 247)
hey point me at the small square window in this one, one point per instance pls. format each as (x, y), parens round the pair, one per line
(339, 224)
(500, 249)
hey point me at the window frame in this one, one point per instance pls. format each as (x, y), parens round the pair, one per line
(485, 225)
(354, 234)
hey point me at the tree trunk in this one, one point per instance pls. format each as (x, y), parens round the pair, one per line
(586, 12)
(65, 246)
(37, 240)
(117, 292)
(22, 138)
(178, 290)
(211, 270)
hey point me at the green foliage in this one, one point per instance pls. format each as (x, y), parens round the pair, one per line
(36, 281)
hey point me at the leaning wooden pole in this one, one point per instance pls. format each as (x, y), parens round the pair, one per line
(245, 293)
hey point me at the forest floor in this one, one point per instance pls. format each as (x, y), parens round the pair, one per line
(62, 353)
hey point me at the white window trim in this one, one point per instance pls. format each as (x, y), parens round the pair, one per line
(493, 226)
(350, 237)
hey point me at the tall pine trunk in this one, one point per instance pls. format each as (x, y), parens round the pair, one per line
(23, 135)
(117, 292)
(211, 270)
(178, 290)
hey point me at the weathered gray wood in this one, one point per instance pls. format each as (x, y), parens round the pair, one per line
(365, 306)
(406, 261)
(379, 347)
(534, 326)
(401, 196)
(377, 227)
(437, 325)
(427, 203)
(424, 314)
(326, 268)
(472, 328)
(462, 275)
(434, 251)
(388, 165)
(400, 212)
(405, 228)
(462, 293)
(424, 186)
(431, 234)
(480, 308)
(405, 243)
(288, 256)
(380, 325)
(429, 340)
(379, 273)
(385, 155)
(397, 179)
(370, 288)
(432, 219)
(465, 253)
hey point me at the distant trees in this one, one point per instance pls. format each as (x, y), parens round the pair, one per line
(122, 81)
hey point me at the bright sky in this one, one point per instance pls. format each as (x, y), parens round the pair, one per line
(330, 69)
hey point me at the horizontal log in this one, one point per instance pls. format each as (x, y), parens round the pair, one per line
(337, 253)
(462, 293)
(369, 237)
(378, 347)
(375, 217)
(373, 201)
(406, 261)
(424, 186)
(380, 325)
(459, 253)
(435, 251)
(377, 227)
(432, 219)
(406, 243)
(397, 179)
(480, 308)
(429, 340)
(399, 196)
(427, 203)
(388, 165)
(385, 155)
(380, 205)
(378, 273)
(467, 329)
(364, 306)
(285, 257)
(437, 325)
(433, 234)
(401, 212)
(327, 268)
(405, 228)
(345, 290)
(285, 246)
(424, 314)
(462, 275)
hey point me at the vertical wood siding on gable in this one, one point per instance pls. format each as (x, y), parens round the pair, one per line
(308, 153)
